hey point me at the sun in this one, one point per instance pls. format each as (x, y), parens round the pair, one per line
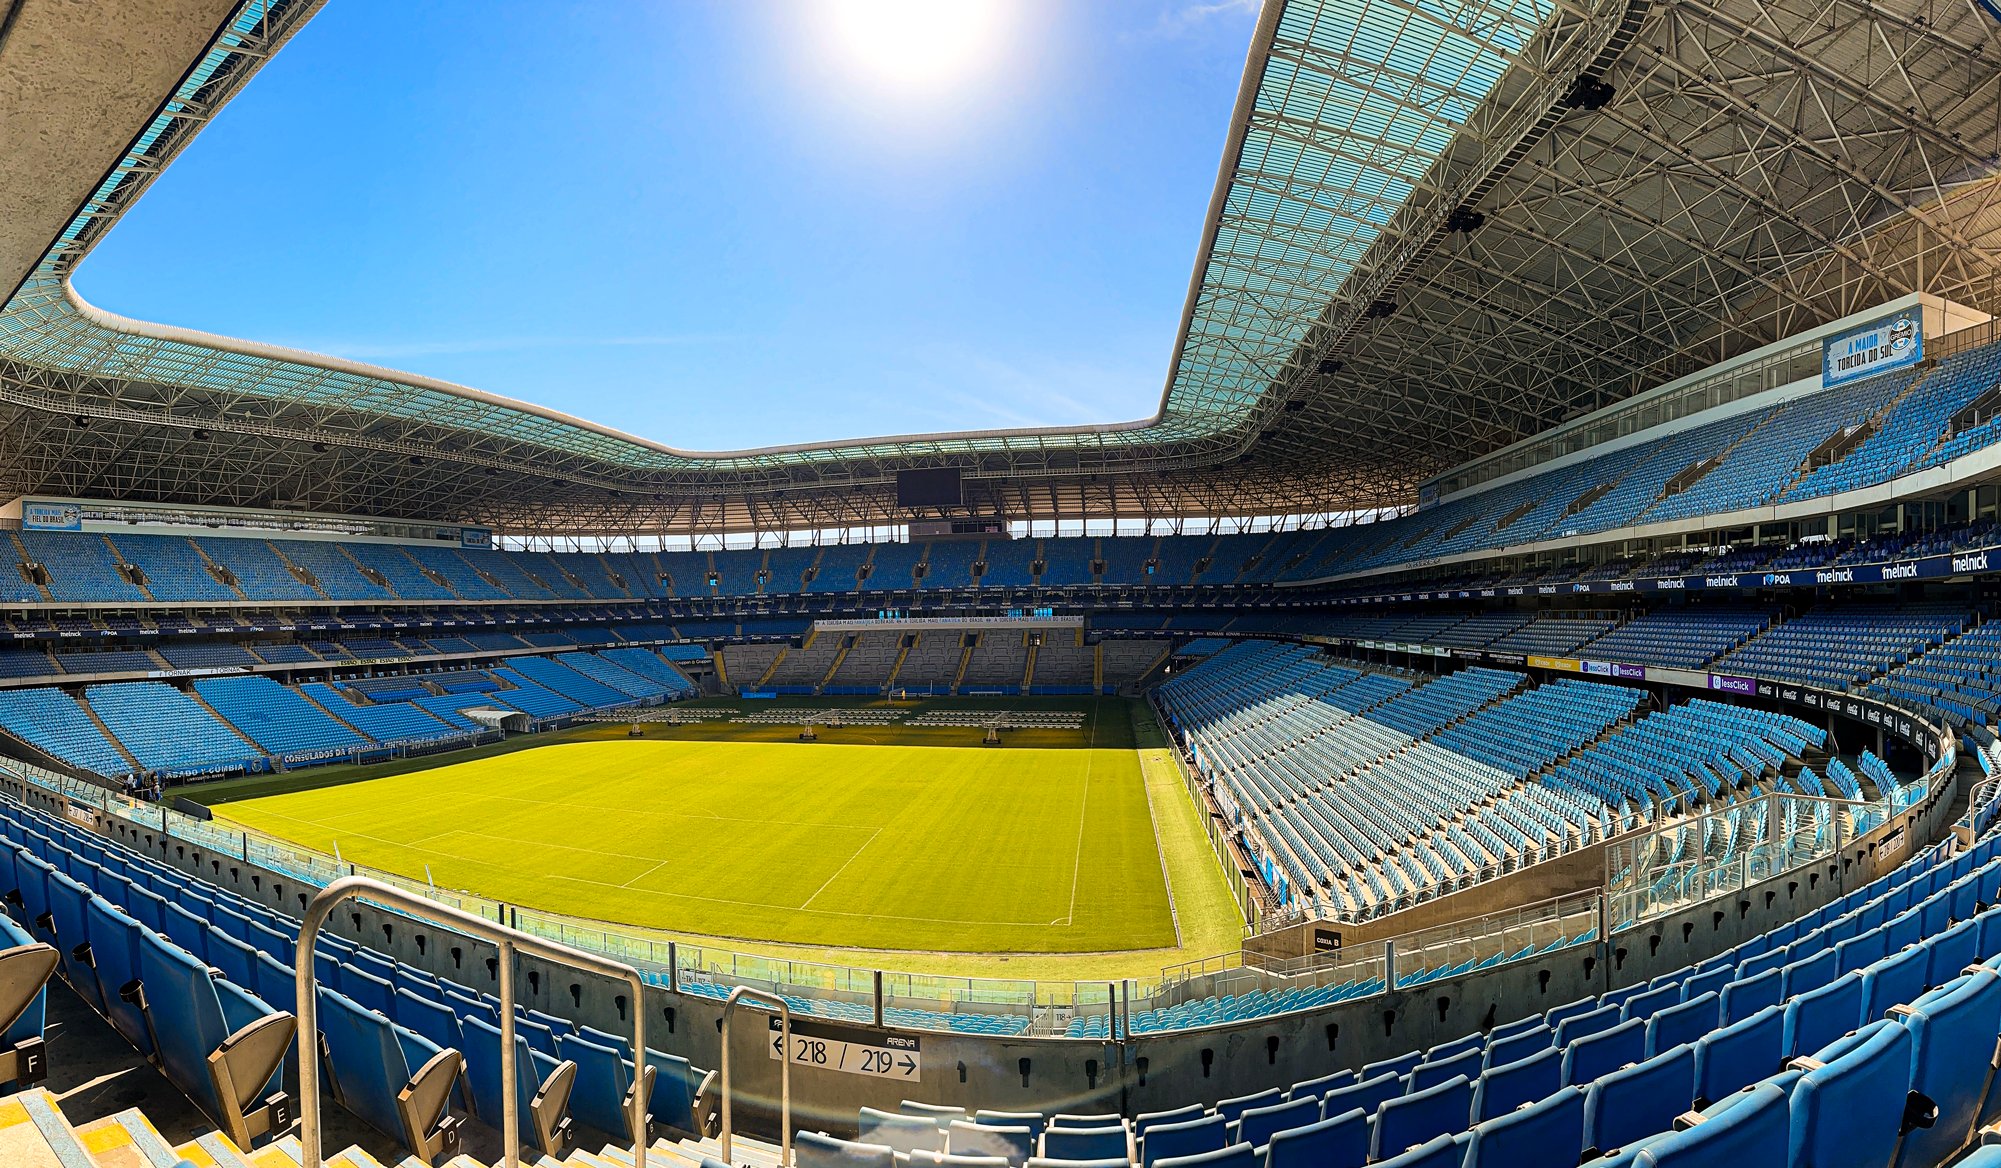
(915, 46)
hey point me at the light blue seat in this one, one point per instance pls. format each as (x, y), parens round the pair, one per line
(1192, 1137)
(819, 1150)
(1850, 1108)
(25, 968)
(1148, 1119)
(1604, 1052)
(1549, 1131)
(898, 1132)
(1504, 1088)
(1315, 1088)
(114, 957)
(196, 1020)
(1369, 1094)
(1409, 1121)
(390, 1078)
(1739, 1055)
(1750, 1127)
(1013, 1143)
(1234, 1156)
(1433, 1072)
(1085, 1143)
(1953, 1031)
(606, 1087)
(1585, 1024)
(1820, 1016)
(1231, 1109)
(542, 1086)
(1520, 1045)
(1686, 1022)
(1892, 981)
(1746, 996)
(1442, 1152)
(1034, 1121)
(1258, 1125)
(1639, 1101)
(1339, 1141)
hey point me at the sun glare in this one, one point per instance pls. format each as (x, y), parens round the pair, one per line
(915, 46)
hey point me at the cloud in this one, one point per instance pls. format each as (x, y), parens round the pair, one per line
(1188, 18)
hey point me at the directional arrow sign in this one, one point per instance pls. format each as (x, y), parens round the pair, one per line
(854, 1050)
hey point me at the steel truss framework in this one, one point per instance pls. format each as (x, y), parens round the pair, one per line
(1435, 231)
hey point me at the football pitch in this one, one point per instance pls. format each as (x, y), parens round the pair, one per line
(940, 848)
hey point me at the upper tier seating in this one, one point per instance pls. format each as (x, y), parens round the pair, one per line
(80, 567)
(1843, 645)
(174, 570)
(258, 569)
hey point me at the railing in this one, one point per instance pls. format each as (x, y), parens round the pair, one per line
(509, 942)
(784, 1071)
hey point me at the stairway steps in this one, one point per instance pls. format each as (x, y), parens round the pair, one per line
(34, 1134)
(217, 1148)
(127, 1140)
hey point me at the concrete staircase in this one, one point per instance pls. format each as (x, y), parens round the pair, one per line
(34, 1133)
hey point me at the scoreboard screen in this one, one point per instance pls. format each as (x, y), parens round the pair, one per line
(936, 487)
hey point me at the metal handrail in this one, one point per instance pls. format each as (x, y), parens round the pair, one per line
(509, 941)
(784, 1070)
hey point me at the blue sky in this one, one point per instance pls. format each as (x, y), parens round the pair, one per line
(706, 222)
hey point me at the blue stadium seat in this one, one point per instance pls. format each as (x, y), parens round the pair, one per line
(193, 1019)
(1258, 1125)
(1188, 1138)
(1409, 1121)
(1442, 1152)
(1686, 1022)
(1953, 1047)
(1014, 1144)
(1818, 1017)
(1234, 1156)
(1504, 1088)
(1849, 1103)
(1549, 1131)
(819, 1150)
(1740, 1054)
(391, 1078)
(1339, 1141)
(606, 1088)
(542, 1086)
(1108, 1142)
(1750, 1127)
(1604, 1052)
(1635, 1102)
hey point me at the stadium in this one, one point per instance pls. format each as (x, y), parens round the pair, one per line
(1525, 697)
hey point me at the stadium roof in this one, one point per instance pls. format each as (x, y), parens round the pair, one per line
(1438, 227)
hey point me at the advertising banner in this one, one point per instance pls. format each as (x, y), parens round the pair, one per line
(44, 516)
(1893, 342)
(1737, 685)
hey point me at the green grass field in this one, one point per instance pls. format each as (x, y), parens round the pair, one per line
(943, 848)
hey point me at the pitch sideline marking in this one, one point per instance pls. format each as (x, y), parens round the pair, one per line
(844, 867)
(1077, 857)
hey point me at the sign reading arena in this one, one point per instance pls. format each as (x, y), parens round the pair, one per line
(856, 1050)
(1893, 342)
